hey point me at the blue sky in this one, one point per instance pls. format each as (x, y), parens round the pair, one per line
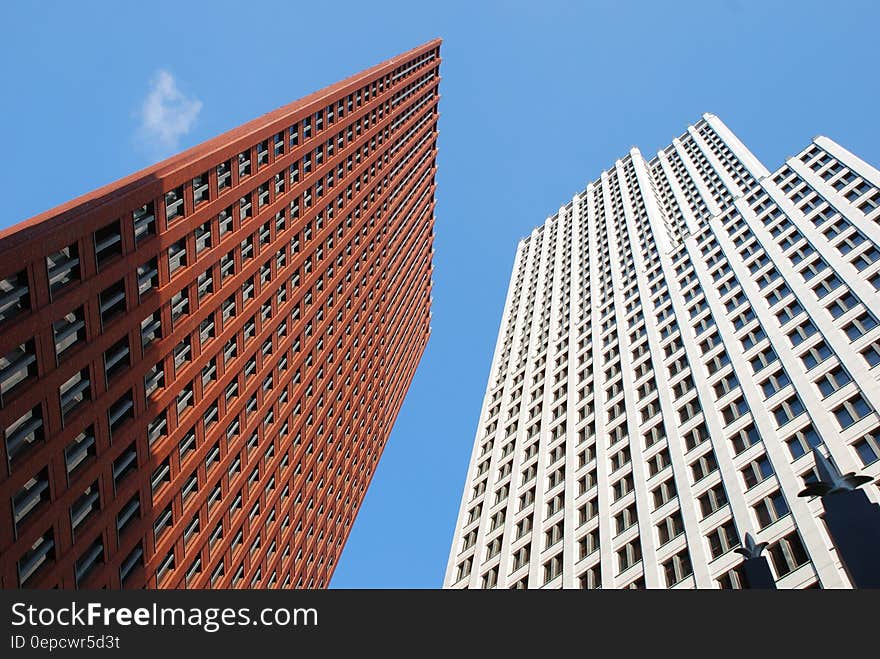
(537, 98)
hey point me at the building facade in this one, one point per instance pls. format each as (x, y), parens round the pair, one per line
(200, 364)
(674, 342)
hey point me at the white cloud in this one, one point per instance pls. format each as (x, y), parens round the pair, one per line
(166, 115)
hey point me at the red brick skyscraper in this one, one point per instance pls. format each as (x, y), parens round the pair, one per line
(200, 364)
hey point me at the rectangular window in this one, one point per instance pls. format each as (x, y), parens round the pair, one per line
(144, 219)
(148, 277)
(112, 301)
(174, 204)
(117, 359)
(75, 391)
(108, 244)
(120, 412)
(177, 255)
(16, 368)
(200, 189)
(80, 451)
(63, 268)
(151, 329)
(787, 554)
(69, 331)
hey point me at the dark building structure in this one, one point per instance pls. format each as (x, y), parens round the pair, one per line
(200, 364)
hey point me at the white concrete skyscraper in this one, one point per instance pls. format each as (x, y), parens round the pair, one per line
(674, 341)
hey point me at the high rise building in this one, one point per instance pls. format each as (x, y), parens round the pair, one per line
(200, 364)
(674, 342)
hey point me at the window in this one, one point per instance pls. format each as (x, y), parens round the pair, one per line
(802, 332)
(625, 519)
(868, 448)
(816, 355)
(733, 579)
(629, 555)
(803, 441)
(174, 204)
(34, 492)
(125, 465)
(144, 219)
(69, 331)
(860, 326)
(757, 471)
(41, 552)
(788, 410)
(151, 329)
(120, 412)
(128, 513)
(63, 267)
(112, 302)
(553, 568)
(224, 172)
(85, 507)
(703, 466)
(833, 380)
(664, 492)
(200, 188)
(842, 304)
(591, 579)
(723, 539)
(203, 237)
(108, 244)
(852, 410)
(763, 359)
(17, 367)
(179, 305)
(714, 499)
(80, 451)
(148, 277)
(787, 554)
(770, 509)
(76, 390)
(116, 359)
(177, 255)
(670, 527)
(677, 568)
(774, 383)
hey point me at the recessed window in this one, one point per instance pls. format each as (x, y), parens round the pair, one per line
(120, 412)
(112, 301)
(224, 174)
(174, 204)
(16, 368)
(851, 411)
(85, 507)
(14, 295)
(63, 268)
(151, 329)
(42, 552)
(80, 452)
(177, 255)
(108, 244)
(179, 305)
(200, 189)
(117, 359)
(148, 277)
(33, 493)
(770, 509)
(144, 219)
(203, 237)
(244, 164)
(75, 391)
